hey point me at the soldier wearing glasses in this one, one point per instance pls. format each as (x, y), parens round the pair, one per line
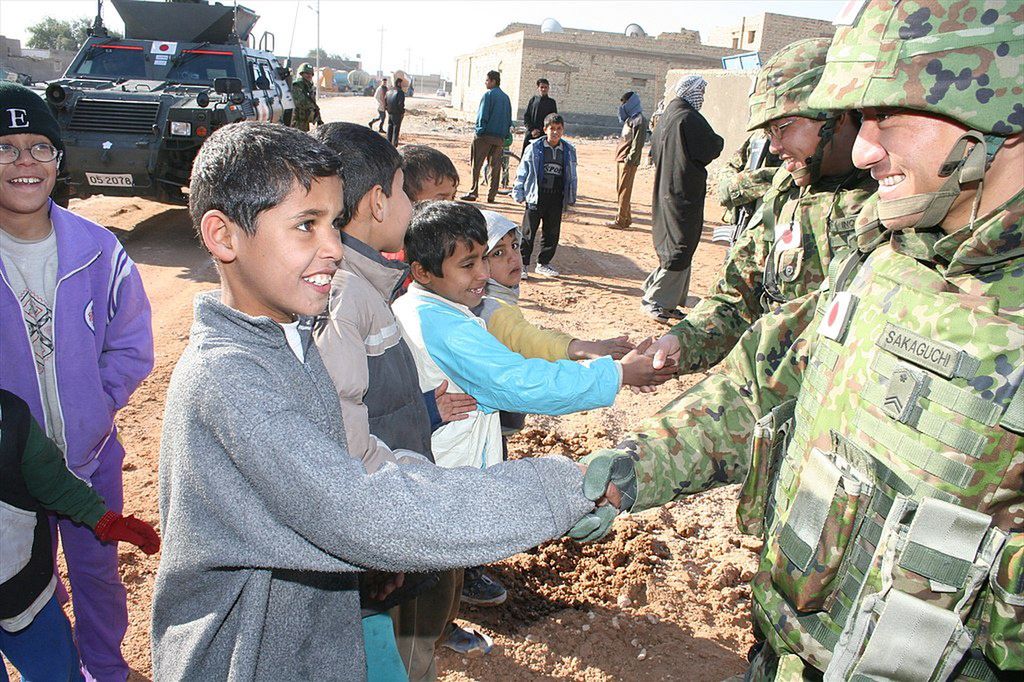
(806, 218)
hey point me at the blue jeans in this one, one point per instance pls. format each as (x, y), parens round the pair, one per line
(43, 651)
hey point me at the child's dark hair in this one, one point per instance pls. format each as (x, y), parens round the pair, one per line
(367, 159)
(542, 81)
(625, 97)
(422, 163)
(437, 227)
(495, 76)
(246, 168)
(553, 118)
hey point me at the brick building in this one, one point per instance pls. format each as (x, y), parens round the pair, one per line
(766, 33)
(588, 70)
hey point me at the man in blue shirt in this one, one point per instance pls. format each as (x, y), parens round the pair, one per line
(493, 121)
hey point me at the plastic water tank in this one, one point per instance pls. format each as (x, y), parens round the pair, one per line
(357, 78)
(551, 26)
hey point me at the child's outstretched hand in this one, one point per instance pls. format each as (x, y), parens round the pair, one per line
(588, 350)
(638, 369)
(112, 527)
(453, 407)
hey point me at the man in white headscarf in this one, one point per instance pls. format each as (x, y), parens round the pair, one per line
(682, 145)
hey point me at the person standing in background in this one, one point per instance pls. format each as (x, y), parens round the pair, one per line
(537, 109)
(627, 156)
(493, 120)
(682, 145)
(381, 96)
(396, 111)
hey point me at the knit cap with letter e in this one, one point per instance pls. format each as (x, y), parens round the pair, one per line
(23, 111)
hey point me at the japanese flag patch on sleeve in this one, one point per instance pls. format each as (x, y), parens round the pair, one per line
(837, 317)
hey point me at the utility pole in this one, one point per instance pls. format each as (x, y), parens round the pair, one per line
(316, 75)
(380, 62)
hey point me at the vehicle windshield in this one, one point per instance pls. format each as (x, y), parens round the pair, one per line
(114, 61)
(202, 67)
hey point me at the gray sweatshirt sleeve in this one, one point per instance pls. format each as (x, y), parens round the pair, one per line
(310, 499)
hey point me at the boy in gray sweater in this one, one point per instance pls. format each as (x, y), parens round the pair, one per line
(266, 519)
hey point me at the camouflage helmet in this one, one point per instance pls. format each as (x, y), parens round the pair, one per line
(961, 59)
(784, 83)
(306, 68)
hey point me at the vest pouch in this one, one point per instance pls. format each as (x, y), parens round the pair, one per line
(790, 264)
(1003, 629)
(945, 555)
(899, 637)
(771, 437)
(934, 558)
(815, 530)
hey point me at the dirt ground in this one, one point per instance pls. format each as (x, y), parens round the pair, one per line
(663, 598)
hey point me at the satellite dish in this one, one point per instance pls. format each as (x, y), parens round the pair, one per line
(551, 26)
(634, 30)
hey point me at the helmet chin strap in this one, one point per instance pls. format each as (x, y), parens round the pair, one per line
(962, 166)
(812, 164)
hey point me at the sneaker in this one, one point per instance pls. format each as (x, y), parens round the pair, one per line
(468, 197)
(546, 270)
(614, 225)
(481, 589)
(468, 642)
(526, 274)
(658, 314)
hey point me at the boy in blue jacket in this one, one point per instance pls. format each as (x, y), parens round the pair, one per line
(546, 182)
(445, 247)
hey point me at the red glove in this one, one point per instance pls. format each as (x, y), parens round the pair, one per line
(113, 527)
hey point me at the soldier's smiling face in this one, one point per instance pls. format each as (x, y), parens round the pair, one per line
(794, 143)
(904, 150)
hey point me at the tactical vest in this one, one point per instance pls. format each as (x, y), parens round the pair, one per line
(895, 524)
(799, 253)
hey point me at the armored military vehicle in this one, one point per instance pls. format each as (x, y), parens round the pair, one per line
(135, 110)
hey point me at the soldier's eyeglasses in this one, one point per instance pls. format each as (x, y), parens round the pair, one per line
(775, 132)
(41, 152)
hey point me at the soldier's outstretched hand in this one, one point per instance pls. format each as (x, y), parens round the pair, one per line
(638, 368)
(665, 350)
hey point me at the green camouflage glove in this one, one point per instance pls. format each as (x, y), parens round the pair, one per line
(604, 467)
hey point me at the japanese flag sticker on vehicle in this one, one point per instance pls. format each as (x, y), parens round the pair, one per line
(787, 236)
(163, 48)
(837, 316)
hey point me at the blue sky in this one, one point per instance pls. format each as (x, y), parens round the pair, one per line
(429, 35)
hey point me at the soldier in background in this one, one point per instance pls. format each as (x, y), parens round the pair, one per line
(304, 94)
(877, 424)
(808, 212)
(742, 181)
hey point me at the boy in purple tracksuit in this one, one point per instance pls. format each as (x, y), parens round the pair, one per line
(76, 339)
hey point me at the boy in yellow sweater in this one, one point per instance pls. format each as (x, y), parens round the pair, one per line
(500, 307)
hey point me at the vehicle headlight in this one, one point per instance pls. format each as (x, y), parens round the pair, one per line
(181, 128)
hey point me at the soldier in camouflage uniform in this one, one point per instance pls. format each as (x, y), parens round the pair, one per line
(807, 217)
(877, 425)
(304, 94)
(739, 183)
